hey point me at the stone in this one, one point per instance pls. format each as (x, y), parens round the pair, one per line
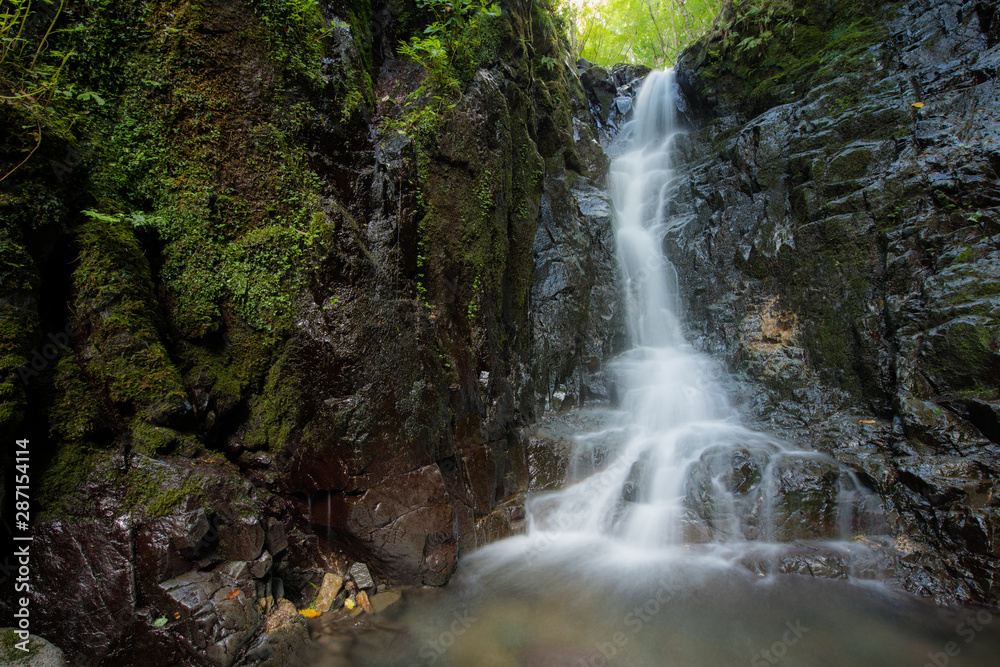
(361, 576)
(40, 653)
(236, 569)
(241, 540)
(260, 567)
(277, 587)
(328, 591)
(216, 621)
(275, 540)
(283, 612)
(385, 600)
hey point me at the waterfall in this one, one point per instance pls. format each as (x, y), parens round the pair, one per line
(674, 541)
(682, 468)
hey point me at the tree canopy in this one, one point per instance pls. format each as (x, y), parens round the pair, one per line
(648, 32)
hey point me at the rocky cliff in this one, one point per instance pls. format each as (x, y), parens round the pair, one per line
(283, 303)
(836, 232)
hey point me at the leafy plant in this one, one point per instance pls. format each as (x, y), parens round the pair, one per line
(446, 52)
(32, 87)
(649, 32)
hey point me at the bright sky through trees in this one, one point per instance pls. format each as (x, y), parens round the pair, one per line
(648, 32)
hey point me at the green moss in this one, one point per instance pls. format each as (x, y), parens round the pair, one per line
(274, 413)
(157, 491)
(114, 286)
(9, 650)
(779, 51)
(63, 477)
(848, 166)
(960, 354)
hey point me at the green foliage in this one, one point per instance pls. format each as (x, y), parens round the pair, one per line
(37, 99)
(447, 52)
(296, 29)
(647, 32)
(779, 48)
(753, 26)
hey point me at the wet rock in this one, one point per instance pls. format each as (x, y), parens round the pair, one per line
(725, 491)
(284, 638)
(385, 600)
(637, 481)
(85, 570)
(217, 618)
(832, 251)
(806, 493)
(601, 90)
(260, 567)
(167, 546)
(286, 644)
(361, 576)
(242, 539)
(328, 591)
(274, 536)
(40, 652)
(577, 312)
(277, 588)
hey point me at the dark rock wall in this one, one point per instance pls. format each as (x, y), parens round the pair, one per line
(280, 320)
(836, 234)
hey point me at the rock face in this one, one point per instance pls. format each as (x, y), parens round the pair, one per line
(836, 225)
(277, 321)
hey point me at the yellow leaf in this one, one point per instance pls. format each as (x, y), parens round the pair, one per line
(917, 105)
(233, 594)
(867, 421)
(349, 603)
(309, 613)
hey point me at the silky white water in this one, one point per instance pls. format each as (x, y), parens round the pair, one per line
(681, 467)
(668, 545)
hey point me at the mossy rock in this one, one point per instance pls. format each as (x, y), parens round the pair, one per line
(962, 355)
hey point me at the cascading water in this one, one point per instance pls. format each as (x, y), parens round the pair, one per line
(684, 469)
(669, 545)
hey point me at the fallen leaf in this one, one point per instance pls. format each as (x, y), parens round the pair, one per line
(349, 603)
(867, 421)
(917, 105)
(364, 602)
(177, 615)
(309, 613)
(233, 594)
(160, 622)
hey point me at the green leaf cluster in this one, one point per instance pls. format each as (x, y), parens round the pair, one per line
(36, 99)
(645, 32)
(447, 51)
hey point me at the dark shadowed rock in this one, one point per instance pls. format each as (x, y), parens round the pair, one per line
(837, 248)
(212, 612)
(361, 576)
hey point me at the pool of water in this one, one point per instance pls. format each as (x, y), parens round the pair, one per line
(592, 604)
